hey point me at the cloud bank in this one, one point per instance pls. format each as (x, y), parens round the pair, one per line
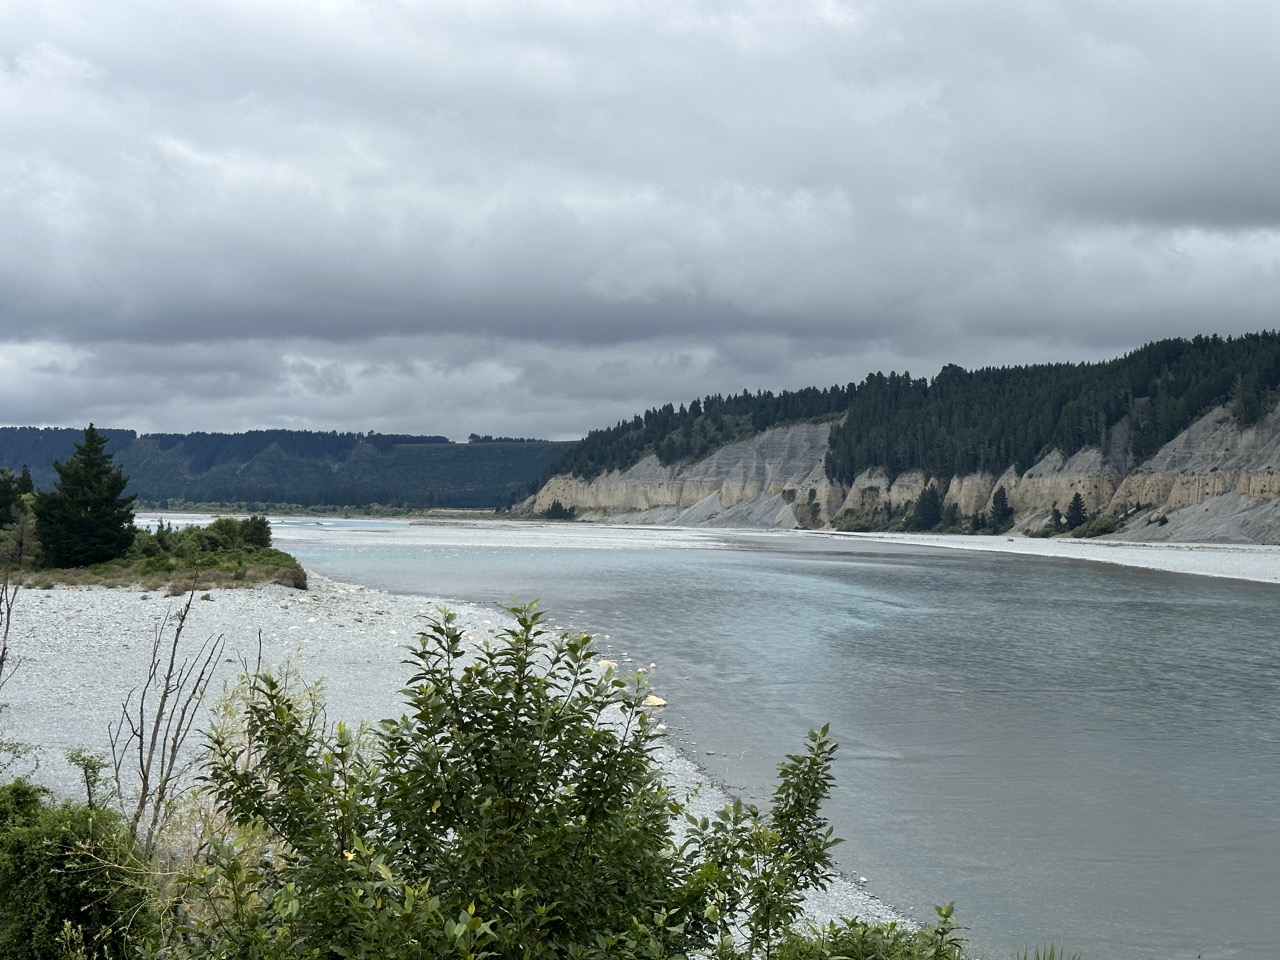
(538, 218)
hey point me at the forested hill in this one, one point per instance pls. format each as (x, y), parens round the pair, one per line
(299, 467)
(963, 421)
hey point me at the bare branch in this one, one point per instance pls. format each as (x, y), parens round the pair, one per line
(156, 719)
(9, 586)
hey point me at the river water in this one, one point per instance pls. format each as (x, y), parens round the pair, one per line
(1070, 751)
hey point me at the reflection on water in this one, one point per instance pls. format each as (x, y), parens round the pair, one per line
(1070, 751)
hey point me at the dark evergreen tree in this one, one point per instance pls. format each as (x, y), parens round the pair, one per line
(1076, 514)
(951, 516)
(1001, 512)
(85, 519)
(24, 481)
(928, 511)
(8, 494)
(1055, 518)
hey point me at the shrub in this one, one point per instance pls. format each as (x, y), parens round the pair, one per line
(851, 939)
(66, 865)
(224, 553)
(514, 810)
(1097, 526)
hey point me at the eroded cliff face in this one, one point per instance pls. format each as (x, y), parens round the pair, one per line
(1212, 457)
(1216, 480)
(775, 480)
(1056, 479)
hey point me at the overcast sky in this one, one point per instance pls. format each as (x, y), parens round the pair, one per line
(534, 218)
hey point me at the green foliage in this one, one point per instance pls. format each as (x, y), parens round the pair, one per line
(993, 418)
(91, 765)
(755, 867)
(8, 495)
(85, 519)
(505, 800)
(66, 867)
(309, 469)
(1097, 526)
(693, 432)
(1001, 512)
(1076, 513)
(1251, 397)
(226, 552)
(852, 939)
(514, 810)
(927, 512)
(1050, 952)
(558, 511)
(256, 532)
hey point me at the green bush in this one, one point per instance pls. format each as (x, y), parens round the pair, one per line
(67, 869)
(855, 940)
(226, 552)
(1097, 526)
(514, 810)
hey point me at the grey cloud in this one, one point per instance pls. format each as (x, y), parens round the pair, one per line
(545, 215)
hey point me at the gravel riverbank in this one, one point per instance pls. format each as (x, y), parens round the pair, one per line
(81, 650)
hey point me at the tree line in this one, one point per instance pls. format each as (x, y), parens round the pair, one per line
(965, 421)
(305, 468)
(997, 417)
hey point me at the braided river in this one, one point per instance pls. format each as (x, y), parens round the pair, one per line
(1071, 751)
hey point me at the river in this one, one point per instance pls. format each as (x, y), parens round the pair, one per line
(1071, 751)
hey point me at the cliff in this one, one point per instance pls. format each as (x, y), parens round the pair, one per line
(752, 483)
(1216, 481)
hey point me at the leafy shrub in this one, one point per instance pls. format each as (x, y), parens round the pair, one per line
(856, 940)
(226, 552)
(1097, 526)
(66, 865)
(514, 810)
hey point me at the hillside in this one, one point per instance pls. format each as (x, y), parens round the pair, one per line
(1175, 426)
(299, 467)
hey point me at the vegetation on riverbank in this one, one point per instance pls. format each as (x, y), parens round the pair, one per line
(82, 532)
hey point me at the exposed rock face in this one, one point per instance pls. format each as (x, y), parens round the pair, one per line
(869, 494)
(1216, 480)
(775, 479)
(1056, 479)
(972, 493)
(1212, 457)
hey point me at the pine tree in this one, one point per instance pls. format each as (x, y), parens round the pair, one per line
(8, 494)
(1001, 512)
(1076, 514)
(24, 481)
(84, 519)
(928, 511)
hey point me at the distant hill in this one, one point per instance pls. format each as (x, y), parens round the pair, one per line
(300, 467)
